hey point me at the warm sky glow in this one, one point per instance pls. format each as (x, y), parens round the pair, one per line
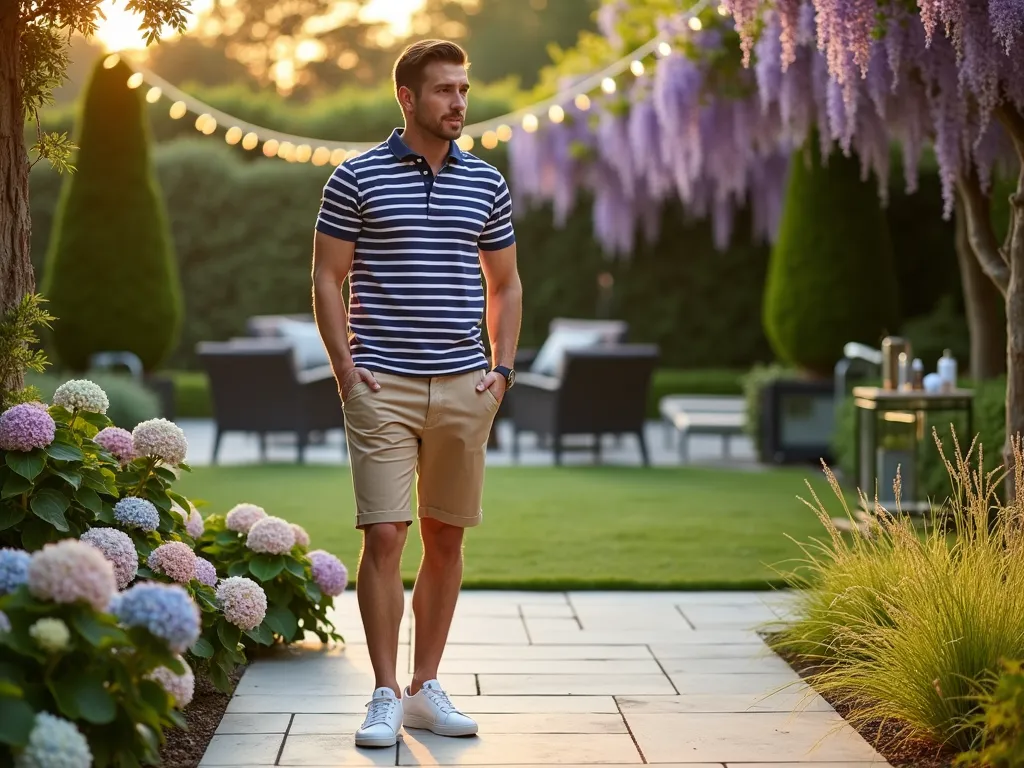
(120, 30)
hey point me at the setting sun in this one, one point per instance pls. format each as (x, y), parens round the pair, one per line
(120, 30)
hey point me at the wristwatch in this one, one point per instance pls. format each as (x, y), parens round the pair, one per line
(508, 373)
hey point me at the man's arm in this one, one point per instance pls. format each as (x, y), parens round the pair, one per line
(504, 310)
(332, 260)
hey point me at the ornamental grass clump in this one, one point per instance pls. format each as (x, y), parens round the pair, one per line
(907, 625)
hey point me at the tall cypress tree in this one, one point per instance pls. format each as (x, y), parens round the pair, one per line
(831, 278)
(110, 273)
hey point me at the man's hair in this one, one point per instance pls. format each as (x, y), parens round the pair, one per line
(408, 70)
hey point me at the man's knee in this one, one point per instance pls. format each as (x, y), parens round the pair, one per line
(440, 540)
(384, 542)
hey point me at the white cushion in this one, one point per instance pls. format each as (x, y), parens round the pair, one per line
(305, 339)
(550, 360)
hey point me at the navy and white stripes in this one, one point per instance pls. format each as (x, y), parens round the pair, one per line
(416, 296)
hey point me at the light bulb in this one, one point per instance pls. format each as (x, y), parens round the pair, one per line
(135, 80)
(153, 96)
(303, 152)
(695, 24)
(489, 140)
(504, 133)
(321, 156)
(637, 68)
(250, 141)
(286, 151)
(178, 110)
(556, 113)
(722, 10)
(608, 85)
(270, 148)
(465, 142)
(338, 156)
(233, 135)
(111, 61)
(664, 48)
(583, 102)
(530, 123)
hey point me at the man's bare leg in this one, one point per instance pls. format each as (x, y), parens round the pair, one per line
(434, 596)
(382, 598)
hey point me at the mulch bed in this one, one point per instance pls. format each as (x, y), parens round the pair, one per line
(883, 736)
(184, 749)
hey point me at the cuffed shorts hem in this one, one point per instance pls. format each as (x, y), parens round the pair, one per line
(459, 521)
(364, 519)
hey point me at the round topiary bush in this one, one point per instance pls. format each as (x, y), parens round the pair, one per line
(110, 273)
(831, 278)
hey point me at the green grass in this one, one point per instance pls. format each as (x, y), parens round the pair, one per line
(551, 528)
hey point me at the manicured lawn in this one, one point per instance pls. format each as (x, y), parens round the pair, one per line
(592, 527)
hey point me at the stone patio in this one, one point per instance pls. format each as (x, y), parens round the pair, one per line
(567, 679)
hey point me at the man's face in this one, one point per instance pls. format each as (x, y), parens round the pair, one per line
(440, 109)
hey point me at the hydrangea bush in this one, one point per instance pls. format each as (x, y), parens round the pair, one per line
(87, 680)
(247, 542)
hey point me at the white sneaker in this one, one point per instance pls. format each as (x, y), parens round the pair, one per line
(432, 710)
(383, 720)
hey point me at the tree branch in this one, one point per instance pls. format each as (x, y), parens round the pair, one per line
(1013, 122)
(980, 232)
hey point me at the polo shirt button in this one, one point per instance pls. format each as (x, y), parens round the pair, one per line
(424, 173)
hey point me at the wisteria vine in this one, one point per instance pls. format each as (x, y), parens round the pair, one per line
(716, 121)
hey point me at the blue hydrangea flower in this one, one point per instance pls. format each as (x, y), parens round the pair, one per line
(166, 610)
(134, 512)
(55, 743)
(13, 569)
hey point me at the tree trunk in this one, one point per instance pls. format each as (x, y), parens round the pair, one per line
(1013, 253)
(982, 302)
(17, 278)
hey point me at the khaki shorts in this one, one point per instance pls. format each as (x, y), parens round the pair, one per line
(433, 427)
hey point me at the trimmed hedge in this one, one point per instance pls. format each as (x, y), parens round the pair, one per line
(110, 273)
(831, 278)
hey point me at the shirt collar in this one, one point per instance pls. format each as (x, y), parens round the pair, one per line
(402, 151)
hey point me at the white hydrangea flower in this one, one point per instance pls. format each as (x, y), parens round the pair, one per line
(52, 635)
(161, 438)
(82, 395)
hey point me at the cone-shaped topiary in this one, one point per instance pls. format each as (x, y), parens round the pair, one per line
(831, 278)
(110, 275)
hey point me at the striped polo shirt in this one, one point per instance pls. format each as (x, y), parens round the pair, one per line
(416, 302)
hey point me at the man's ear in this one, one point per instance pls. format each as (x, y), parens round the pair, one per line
(406, 98)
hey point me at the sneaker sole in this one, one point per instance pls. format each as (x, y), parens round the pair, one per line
(412, 721)
(369, 741)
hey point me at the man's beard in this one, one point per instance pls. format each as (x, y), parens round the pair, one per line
(440, 129)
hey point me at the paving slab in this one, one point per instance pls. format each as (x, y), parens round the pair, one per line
(747, 737)
(552, 666)
(559, 684)
(239, 724)
(332, 750)
(526, 724)
(468, 652)
(783, 701)
(425, 748)
(243, 749)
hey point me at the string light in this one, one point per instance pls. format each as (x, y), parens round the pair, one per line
(695, 24)
(250, 141)
(270, 148)
(135, 80)
(504, 132)
(465, 142)
(664, 48)
(111, 61)
(233, 135)
(178, 110)
(303, 153)
(530, 123)
(637, 67)
(321, 156)
(153, 96)
(286, 151)
(556, 113)
(338, 156)
(489, 140)
(583, 102)
(608, 85)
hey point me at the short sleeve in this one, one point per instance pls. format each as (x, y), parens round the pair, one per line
(498, 232)
(339, 206)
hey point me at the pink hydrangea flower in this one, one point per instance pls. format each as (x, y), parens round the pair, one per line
(181, 687)
(328, 572)
(206, 573)
(174, 559)
(118, 547)
(117, 442)
(242, 516)
(301, 537)
(243, 601)
(69, 571)
(25, 427)
(160, 438)
(194, 525)
(270, 535)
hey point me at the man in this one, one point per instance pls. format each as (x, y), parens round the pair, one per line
(411, 223)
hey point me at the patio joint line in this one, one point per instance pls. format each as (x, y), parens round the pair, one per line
(686, 618)
(476, 679)
(662, 668)
(526, 627)
(629, 730)
(287, 730)
(568, 599)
